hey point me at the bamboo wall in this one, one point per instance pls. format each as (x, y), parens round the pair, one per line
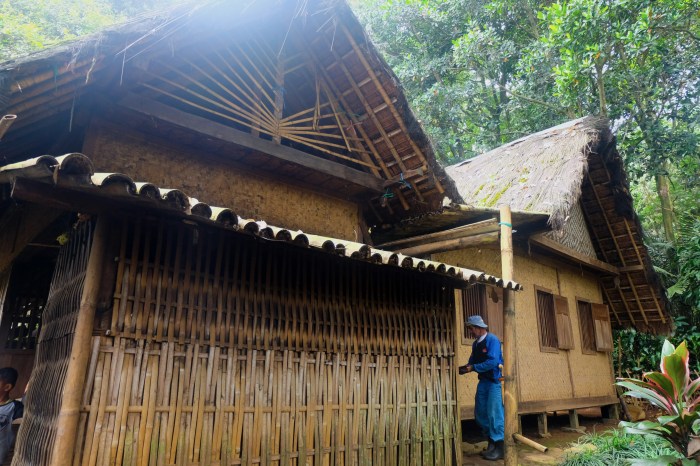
(543, 376)
(43, 399)
(208, 178)
(223, 349)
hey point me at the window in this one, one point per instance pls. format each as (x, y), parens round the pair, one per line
(565, 335)
(484, 301)
(23, 293)
(24, 321)
(553, 321)
(546, 321)
(596, 334)
(601, 325)
(585, 318)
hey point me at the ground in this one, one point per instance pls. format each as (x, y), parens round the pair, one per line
(559, 443)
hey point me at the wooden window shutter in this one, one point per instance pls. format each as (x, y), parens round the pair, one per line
(601, 323)
(494, 311)
(585, 320)
(565, 335)
(546, 317)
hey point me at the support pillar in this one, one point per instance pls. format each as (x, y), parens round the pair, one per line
(611, 412)
(573, 419)
(510, 373)
(542, 429)
(71, 396)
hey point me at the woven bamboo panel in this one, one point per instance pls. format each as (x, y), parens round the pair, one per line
(213, 181)
(166, 403)
(224, 289)
(43, 400)
(575, 234)
(226, 350)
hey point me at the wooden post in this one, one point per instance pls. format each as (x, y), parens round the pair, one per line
(68, 416)
(573, 419)
(510, 375)
(542, 429)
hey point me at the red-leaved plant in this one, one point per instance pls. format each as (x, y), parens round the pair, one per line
(678, 396)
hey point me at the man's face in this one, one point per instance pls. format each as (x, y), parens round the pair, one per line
(478, 331)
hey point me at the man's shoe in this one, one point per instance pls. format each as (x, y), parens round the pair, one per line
(489, 449)
(496, 453)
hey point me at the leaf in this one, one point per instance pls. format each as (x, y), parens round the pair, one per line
(660, 461)
(663, 382)
(663, 420)
(667, 350)
(639, 391)
(676, 369)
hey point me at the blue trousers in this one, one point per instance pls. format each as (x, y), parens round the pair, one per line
(488, 409)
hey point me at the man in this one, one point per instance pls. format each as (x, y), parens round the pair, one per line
(488, 408)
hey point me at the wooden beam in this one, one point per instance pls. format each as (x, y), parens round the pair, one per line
(632, 268)
(20, 226)
(451, 244)
(551, 245)
(541, 406)
(225, 133)
(531, 407)
(485, 226)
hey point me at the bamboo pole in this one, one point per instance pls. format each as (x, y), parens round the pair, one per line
(510, 374)
(68, 416)
(530, 443)
(5, 123)
(450, 244)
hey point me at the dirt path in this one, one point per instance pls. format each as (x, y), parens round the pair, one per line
(559, 443)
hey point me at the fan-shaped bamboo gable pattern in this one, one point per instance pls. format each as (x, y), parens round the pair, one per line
(299, 75)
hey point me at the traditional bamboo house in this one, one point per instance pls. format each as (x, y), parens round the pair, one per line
(157, 329)
(579, 256)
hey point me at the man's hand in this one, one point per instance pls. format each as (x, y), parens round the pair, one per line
(465, 369)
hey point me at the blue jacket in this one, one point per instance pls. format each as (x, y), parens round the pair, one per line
(485, 358)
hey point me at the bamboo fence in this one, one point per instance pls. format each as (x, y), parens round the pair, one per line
(224, 349)
(43, 400)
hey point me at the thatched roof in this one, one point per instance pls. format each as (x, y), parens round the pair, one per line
(332, 71)
(538, 173)
(557, 170)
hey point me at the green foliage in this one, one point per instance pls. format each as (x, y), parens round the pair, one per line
(676, 394)
(617, 448)
(30, 25)
(458, 61)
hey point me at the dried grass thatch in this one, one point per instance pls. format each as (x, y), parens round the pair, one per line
(540, 173)
(554, 172)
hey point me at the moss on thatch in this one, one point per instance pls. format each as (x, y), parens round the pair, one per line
(538, 173)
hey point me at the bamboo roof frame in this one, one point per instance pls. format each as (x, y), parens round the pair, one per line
(59, 75)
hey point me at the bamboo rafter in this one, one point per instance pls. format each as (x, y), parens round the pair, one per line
(240, 83)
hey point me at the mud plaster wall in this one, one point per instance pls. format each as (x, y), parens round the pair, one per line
(542, 375)
(217, 183)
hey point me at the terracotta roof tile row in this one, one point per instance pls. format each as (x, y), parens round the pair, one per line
(76, 170)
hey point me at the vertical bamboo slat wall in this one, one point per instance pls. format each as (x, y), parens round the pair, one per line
(224, 350)
(43, 401)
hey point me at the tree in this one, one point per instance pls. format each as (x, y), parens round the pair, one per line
(458, 60)
(636, 62)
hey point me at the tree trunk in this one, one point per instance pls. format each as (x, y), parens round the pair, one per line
(601, 89)
(662, 189)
